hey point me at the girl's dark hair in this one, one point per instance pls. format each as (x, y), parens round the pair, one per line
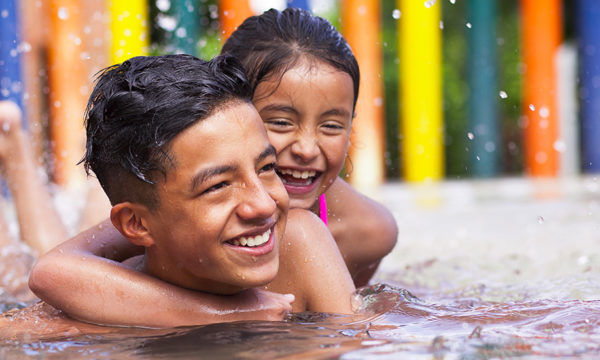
(270, 44)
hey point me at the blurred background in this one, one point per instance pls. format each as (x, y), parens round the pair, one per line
(450, 89)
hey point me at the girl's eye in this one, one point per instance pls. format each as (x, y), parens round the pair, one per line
(333, 126)
(214, 187)
(269, 167)
(278, 122)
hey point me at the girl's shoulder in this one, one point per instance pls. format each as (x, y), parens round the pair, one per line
(352, 214)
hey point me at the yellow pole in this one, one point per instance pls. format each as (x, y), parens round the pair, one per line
(361, 27)
(420, 89)
(129, 29)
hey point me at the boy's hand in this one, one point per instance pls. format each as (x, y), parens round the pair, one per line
(258, 304)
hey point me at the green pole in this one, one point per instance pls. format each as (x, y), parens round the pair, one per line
(185, 36)
(483, 137)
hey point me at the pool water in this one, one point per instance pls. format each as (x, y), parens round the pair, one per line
(483, 269)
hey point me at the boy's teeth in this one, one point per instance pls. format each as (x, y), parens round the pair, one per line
(252, 241)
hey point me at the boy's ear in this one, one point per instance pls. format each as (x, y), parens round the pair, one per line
(128, 218)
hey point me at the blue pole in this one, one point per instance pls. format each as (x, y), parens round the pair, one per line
(11, 86)
(302, 4)
(588, 15)
(484, 95)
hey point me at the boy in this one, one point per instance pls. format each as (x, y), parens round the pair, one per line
(185, 161)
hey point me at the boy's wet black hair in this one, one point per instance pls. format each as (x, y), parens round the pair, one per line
(139, 106)
(272, 43)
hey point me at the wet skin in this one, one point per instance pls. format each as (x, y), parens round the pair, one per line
(308, 117)
(222, 192)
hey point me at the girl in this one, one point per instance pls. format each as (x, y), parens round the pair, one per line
(305, 81)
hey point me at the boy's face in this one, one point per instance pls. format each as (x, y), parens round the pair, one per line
(222, 208)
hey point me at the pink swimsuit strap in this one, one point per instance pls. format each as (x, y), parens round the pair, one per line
(323, 208)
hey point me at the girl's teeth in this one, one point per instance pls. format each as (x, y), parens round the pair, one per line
(299, 174)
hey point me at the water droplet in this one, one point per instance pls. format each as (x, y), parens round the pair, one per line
(429, 3)
(441, 25)
(531, 107)
(470, 136)
(396, 14)
(544, 112)
(540, 219)
(503, 94)
(4, 14)
(63, 13)
(468, 25)
(559, 146)
(541, 157)
(452, 2)
(6, 127)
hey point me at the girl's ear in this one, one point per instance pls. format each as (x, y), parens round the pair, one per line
(128, 218)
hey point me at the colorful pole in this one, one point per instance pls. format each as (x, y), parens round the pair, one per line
(232, 14)
(541, 21)
(11, 86)
(588, 15)
(420, 89)
(483, 134)
(66, 79)
(129, 28)
(302, 4)
(361, 28)
(187, 31)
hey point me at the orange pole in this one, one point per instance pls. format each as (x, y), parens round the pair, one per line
(67, 100)
(232, 13)
(541, 20)
(361, 28)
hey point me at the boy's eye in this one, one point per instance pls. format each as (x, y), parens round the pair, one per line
(269, 167)
(215, 187)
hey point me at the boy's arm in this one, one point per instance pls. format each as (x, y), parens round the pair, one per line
(81, 278)
(312, 264)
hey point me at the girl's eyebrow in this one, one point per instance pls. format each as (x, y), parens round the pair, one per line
(292, 110)
(283, 108)
(336, 112)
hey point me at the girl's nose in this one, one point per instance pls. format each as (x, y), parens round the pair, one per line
(305, 148)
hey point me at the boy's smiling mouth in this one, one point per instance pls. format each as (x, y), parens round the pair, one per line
(252, 241)
(297, 177)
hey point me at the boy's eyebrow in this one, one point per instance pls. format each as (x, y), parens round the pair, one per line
(203, 175)
(206, 174)
(268, 151)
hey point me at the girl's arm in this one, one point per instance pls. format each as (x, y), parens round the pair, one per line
(364, 230)
(39, 222)
(84, 278)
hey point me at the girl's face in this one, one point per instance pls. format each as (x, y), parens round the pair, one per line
(308, 117)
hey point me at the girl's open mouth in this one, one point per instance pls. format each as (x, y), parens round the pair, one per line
(297, 177)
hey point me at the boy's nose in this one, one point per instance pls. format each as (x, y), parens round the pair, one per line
(256, 203)
(305, 148)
